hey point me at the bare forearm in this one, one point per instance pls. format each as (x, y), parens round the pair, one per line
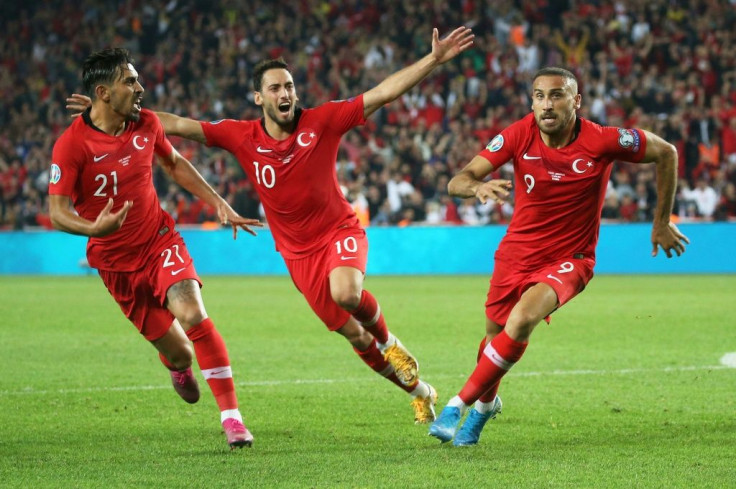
(464, 185)
(666, 186)
(65, 219)
(398, 83)
(175, 125)
(69, 222)
(185, 175)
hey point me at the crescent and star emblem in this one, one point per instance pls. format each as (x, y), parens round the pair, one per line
(301, 143)
(135, 142)
(575, 168)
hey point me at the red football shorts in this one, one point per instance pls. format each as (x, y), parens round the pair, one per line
(347, 248)
(567, 277)
(141, 294)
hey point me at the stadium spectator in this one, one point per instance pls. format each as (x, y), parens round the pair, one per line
(704, 196)
(102, 166)
(726, 208)
(562, 164)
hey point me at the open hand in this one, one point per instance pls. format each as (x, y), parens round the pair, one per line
(228, 216)
(77, 103)
(495, 190)
(455, 43)
(108, 222)
(669, 238)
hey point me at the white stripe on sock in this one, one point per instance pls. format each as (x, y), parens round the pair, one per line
(217, 373)
(496, 358)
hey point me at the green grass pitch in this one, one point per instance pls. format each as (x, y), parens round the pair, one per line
(624, 389)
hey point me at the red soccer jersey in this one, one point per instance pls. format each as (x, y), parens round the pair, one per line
(296, 179)
(558, 192)
(90, 167)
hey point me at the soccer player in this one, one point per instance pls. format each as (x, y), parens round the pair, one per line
(290, 155)
(101, 186)
(562, 164)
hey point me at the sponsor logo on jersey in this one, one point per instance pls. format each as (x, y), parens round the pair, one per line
(527, 157)
(98, 158)
(629, 138)
(495, 144)
(55, 173)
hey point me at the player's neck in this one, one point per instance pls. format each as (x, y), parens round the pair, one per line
(564, 138)
(107, 121)
(276, 131)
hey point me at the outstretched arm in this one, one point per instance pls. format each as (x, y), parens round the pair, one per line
(403, 80)
(664, 233)
(173, 124)
(184, 127)
(184, 174)
(469, 182)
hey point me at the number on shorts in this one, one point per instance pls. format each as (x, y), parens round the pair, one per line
(168, 254)
(565, 267)
(350, 244)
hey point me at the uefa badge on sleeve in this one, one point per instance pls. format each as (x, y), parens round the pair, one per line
(495, 144)
(54, 174)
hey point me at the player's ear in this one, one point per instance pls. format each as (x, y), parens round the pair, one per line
(102, 93)
(578, 101)
(257, 99)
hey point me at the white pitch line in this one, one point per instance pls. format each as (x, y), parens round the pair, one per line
(367, 378)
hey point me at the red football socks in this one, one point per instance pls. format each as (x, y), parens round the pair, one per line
(374, 359)
(214, 363)
(498, 357)
(369, 315)
(489, 395)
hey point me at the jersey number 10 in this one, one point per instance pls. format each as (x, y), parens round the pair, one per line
(265, 176)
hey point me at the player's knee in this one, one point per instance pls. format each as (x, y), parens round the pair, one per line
(182, 356)
(190, 316)
(520, 324)
(347, 298)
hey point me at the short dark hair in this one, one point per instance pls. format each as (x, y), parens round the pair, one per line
(104, 67)
(555, 71)
(264, 66)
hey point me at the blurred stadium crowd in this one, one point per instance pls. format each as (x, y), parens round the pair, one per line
(668, 66)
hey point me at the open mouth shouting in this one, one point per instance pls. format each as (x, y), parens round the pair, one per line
(137, 105)
(284, 108)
